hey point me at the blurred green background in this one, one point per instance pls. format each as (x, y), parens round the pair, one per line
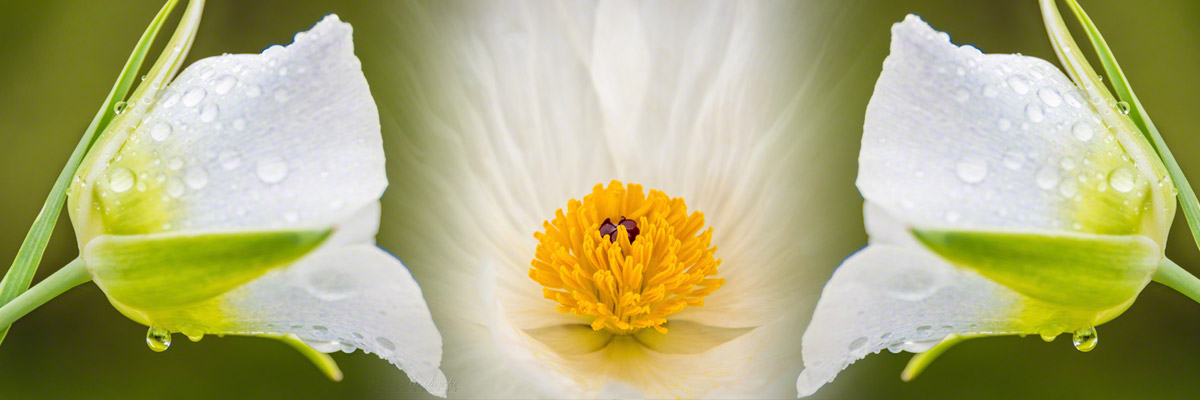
(59, 57)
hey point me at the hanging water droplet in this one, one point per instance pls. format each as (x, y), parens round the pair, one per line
(1083, 131)
(272, 170)
(208, 112)
(160, 131)
(1122, 179)
(120, 107)
(1048, 337)
(1018, 84)
(1050, 97)
(193, 96)
(224, 84)
(971, 170)
(1085, 339)
(1123, 107)
(158, 339)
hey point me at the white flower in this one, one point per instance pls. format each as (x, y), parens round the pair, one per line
(512, 110)
(243, 198)
(1001, 199)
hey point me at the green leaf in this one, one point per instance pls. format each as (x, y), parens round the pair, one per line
(21, 273)
(163, 271)
(1187, 197)
(1082, 271)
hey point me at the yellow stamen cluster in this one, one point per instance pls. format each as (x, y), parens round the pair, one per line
(624, 285)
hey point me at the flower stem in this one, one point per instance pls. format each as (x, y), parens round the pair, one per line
(1171, 274)
(71, 275)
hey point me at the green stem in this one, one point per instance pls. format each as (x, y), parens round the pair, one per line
(1171, 274)
(72, 275)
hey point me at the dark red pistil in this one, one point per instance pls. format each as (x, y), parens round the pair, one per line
(610, 229)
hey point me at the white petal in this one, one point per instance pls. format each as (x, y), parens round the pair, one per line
(888, 297)
(357, 296)
(955, 137)
(287, 137)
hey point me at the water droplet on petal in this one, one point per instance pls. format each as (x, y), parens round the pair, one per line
(971, 170)
(281, 95)
(196, 178)
(1005, 124)
(272, 170)
(158, 339)
(1018, 84)
(1068, 188)
(1083, 131)
(175, 187)
(1034, 113)
(239, 124)
(1123, 107)
(1085, 339)
(120, 179)
(1013, 159)
(857, 343)
(1047, 178)
(385, 343)
(229, 159)
(224, 84)
(193, 96)
(962, 95)
(990, 90)
(120, 107)
(209, 112)
(253, 90)
(160, 131)
(1050, 96)
(1122, 179)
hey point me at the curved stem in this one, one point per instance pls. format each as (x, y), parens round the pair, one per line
(72, 275)
(1171, 274)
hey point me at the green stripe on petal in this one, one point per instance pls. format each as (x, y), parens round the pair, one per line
(1095, 272)
(163, 271)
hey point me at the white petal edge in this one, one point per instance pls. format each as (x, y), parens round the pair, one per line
(955, 137)
(288, 137)
(889, 297)
(358, 296)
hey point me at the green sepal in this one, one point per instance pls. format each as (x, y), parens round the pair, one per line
(169, 270)
(321, 360)
(1080, 271)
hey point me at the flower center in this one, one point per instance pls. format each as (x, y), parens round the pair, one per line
(628, 275)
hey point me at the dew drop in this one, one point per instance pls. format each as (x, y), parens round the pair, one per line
(1050, 96)
(272, 170)
(387, 344)
(1013, 159)
(1018, 84)
(196, 178)
(120, 179)
(1047, 178)
(229, 159)
(1035, 113)
(971, 170)
(319, 330)
(224, 84)
(1123, 107)
(160, 131)
(1082, 131)
(171, 99)
(193, 96)
(990, 91)
(1121, 179)
(324, 346)
(120, 107)
(1047, 337)
(1068, 188)
(1085, 339)
(209, 112)
(253, 90)
(158, 339)
(857, 343)
(175, 164)
(175, 187)
(961, 95)
(281, 95)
